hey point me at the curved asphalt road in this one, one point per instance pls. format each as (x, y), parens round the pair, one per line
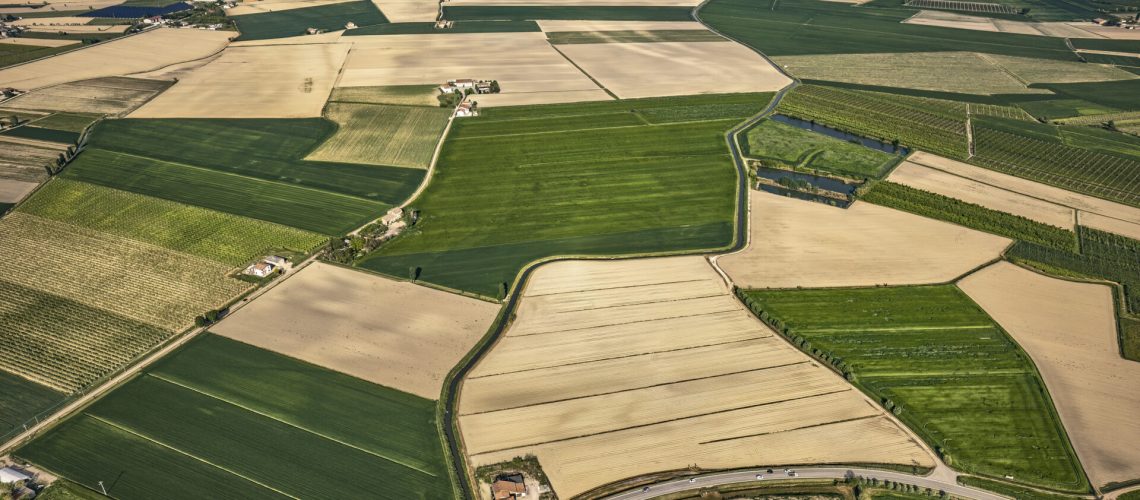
(749, 475)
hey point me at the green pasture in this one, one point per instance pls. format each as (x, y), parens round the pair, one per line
(1050, 109)
(1120, 94)
(22, 399)
(70, 122)
(11, 53)
(294, 22)
(380, 135)
(570, 12)
(35, 132)
(405, 95)
(249, 424)
(797, 147)
(219, 236)
(520, 183)
(960, 382)
(458, 27)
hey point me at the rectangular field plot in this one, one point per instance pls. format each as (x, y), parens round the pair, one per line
(616, 369)
(960, 382)
(234, 414)
(110, 95)
(24, 160)
(151, 284)
(520, 183)
(632, 36)
(796, 147)
(983, 7)
(294, 22)
(22, 399)
(403, 136)
(214, 235)
(480, 10)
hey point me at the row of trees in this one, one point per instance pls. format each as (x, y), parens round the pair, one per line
(836, 362)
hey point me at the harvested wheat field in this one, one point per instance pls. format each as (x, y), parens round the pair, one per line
(110, 95)
(392, 333)
(39, 42)
(272, 81)
(263, 6)
(621, 368)
(132, 54)
(12, 191)
(79, 29)
(946, 184)
(1069, 329)
(675, 68)
(946, 19)
(803, 243)
(523, 63)
(408, 11)
(375, 134)
(557, 26)
(1091, 211)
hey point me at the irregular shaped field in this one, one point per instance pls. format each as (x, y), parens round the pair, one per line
(24, 160)
(143, 52)
(327, 16)
(409, 11)
(803, 243)
(248, 420)
(12, 191)
(1069, 329)
(795, 147)
(616, 369)
(22, 400)
(392, 333)
(263, 6)
(675, 68)
(402, 136)
(270, 81)
(950, 372)
(111, 95)
(517, 184)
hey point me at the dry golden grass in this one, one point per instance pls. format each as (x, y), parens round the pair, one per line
(408, 11)
(1091, 211)
(79, 29)
(1069, 329)
(51, 21)
(675, 68)
(271, 81)
(616, 369)
(803, 243)
(132, 54)
(263, 6)
(992, 197)
(40, 42)
(392, 333)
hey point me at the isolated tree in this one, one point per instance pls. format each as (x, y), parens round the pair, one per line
(414, 273)
(502, 290)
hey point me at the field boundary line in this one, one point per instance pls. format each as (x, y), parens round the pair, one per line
(812, 426)
(659, 384)
(625, 356)
(290, 424)
(176, 450)
(582, 70)
(627, 323)
(889, 329)
(643, 303)
(671, 420)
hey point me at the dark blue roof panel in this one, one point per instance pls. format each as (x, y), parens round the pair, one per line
(133, 12)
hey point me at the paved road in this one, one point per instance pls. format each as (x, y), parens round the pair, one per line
(749, 475)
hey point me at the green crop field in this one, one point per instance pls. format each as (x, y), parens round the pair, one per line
(37, 133)
(257, 418)
(294, 22)
(954, 376)
(458, 27)
(794, 146)
(632, 36)
(404, 136)
(71, 122)
(11, 53)
(21, 399)
(1102, 255)
(219, 236)
(406, 95)
(520, 183)
(1119, 95)
(932, 125)
(572, 12)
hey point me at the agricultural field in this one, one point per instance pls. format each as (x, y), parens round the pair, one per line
(960, 72)
(24, 159)
(461, 27)
(1102, 256)
(528, 68)
(409, 11)
(111, 96)
(802, 243)
(996, 24)
(945, 368)
(143, 52)
(271, 81)
(401, 136)
(1090, 382)
(551, 26)
(213, 235)
(626, 10)
(392, 333)
(618, 369)
(794, 146)
(245, 428)
(261, 174)
(934, 125)
(264, 6)
(69, 122)
(404, 95)
(23, 399)
(675, 68)
(521, 183)
(983, 7)
(293, 22)
(632, 36)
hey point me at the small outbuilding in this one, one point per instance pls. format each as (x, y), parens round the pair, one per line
(9, 475)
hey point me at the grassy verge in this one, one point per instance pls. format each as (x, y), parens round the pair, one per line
(798, 147)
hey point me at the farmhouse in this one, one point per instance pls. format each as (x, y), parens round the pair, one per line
(508, 487)
(466, 108)
(266, 266)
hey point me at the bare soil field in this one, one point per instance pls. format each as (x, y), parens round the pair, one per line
(962, 72)
(133, 54)
(110, 95)
(1069, 329)
(272, 81)
(408, 11)
(551, 26)
(24, 160)
(996, 198)
(39, 42)
(263, 6)
(521, 62)
(1092, 212)
(803, 243)
(392, 333)
(12, 191)
(616, 369)
(675, 68)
